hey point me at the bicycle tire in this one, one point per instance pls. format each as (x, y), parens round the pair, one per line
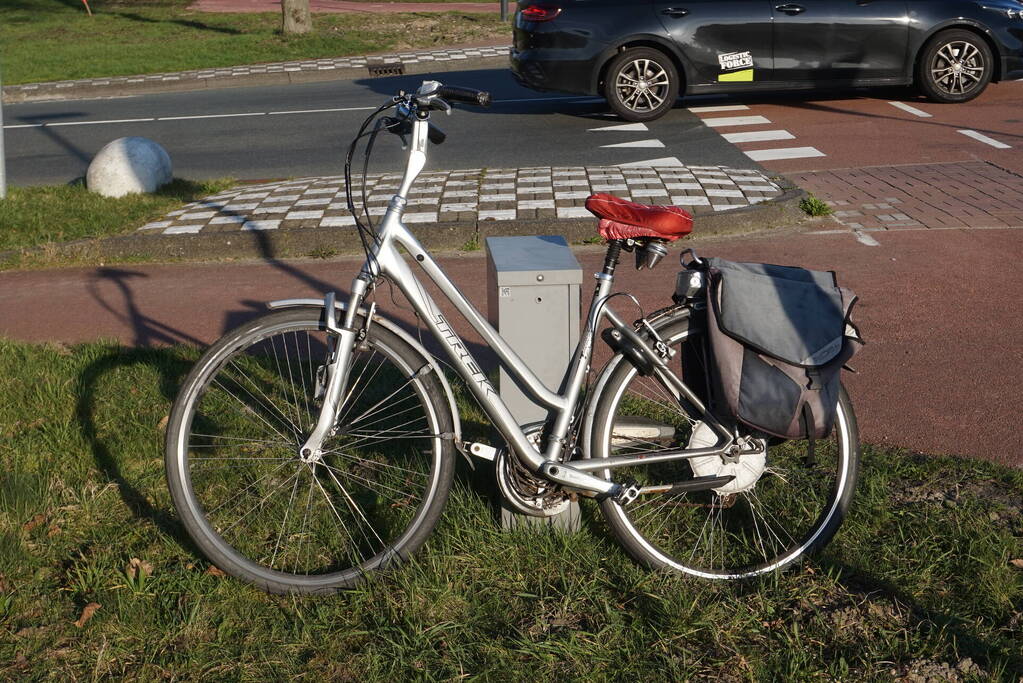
(233, 442)
(792, 510)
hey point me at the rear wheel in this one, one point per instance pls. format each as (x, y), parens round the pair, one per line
(784, 502)
(641, 84)
(954, 66)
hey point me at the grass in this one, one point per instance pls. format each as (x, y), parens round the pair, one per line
(812, 206)
(47, 40)
(35, 216)
(918, 579)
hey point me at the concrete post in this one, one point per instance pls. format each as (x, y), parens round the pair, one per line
(504, 10)
(533, 300)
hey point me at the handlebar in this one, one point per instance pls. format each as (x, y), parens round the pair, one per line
(454, 93)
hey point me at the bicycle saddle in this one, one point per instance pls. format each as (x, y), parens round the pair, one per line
(621, 219)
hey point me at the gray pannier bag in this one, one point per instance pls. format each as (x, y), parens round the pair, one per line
(779, 337)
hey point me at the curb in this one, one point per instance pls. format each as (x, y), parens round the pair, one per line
(781, 212)
(280, 73)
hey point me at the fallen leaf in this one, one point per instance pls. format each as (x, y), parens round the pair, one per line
(214, 571)
(34, 522)
(53, 530)
(1018, 563)
(21, 661)
(87, 613)
(162, 424)
(137, 566)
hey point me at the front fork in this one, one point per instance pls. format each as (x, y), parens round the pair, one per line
(336, 371)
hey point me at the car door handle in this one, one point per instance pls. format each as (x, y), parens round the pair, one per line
(790, 9)
(675, 12)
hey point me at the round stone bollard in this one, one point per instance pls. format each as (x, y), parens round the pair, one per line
(129, 165)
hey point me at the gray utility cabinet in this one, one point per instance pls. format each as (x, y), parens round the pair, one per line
(533, 301)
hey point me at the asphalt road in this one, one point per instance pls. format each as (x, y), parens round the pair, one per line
(940, 311)
(303, 130)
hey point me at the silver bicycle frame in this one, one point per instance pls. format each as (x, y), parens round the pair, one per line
(386, 259)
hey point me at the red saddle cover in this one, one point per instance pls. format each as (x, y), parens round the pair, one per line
(622, 219)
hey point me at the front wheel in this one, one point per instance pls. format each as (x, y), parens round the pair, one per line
(641, 84)
(260, 512)
(784, 503)
(955, 66)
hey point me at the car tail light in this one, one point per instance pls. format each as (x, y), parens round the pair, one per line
(540, 12)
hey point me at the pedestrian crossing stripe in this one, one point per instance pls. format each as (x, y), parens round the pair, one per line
(736, 76)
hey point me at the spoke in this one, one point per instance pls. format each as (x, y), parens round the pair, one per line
(289, 400)
(355, 508)
(268, 406)
(390, 412)
(238, 438)
(287, 511)
(369, 485)
(305, 518)
(343, 527)
(301, 373)
(265, 498)
(379, 405)
(352, 399)
(237, 497)
(375, 463)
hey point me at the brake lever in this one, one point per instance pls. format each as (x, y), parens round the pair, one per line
(440, 105)
(390, 123)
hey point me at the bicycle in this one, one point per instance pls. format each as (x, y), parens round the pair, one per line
(317, 443)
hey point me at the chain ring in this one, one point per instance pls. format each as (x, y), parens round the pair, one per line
(525, 492)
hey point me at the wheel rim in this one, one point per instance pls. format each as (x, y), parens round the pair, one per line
(715, 536)
(281, 518)
(642, 85)
(958, 67)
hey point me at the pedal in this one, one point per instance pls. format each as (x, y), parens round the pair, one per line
(628, 493)
(482, 450)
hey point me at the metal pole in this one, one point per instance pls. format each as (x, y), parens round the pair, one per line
(3, 159)
(504, 10)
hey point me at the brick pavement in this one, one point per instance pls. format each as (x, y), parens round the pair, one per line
(468, 196)
(949, 195)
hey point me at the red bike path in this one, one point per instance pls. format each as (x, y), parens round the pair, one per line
(941, 310)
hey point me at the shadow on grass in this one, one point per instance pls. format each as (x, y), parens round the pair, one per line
(172, 367)
(859, 582)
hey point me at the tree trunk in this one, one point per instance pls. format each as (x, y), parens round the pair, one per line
(296, 16)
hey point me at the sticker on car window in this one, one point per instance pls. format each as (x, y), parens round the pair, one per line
(735, 60)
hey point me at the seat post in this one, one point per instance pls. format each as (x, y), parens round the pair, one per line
(614, 250)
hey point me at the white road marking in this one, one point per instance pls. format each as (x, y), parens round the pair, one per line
(210, 116)
(985, 139)
(660, 163)
(785, 153)
(261, 113)
(636, 143)
(625, 127)
(864, 238)
(736, 121)
(73, 123)
(758, 136)
(722, 107)
(912, 110)
(318, 111)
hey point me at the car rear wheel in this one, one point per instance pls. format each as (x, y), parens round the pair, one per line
(955, 66)
(641, 84)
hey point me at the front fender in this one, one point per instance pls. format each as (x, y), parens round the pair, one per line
(405, 337)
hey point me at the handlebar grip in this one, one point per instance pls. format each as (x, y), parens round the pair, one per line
(453, 93)
(436, 135)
